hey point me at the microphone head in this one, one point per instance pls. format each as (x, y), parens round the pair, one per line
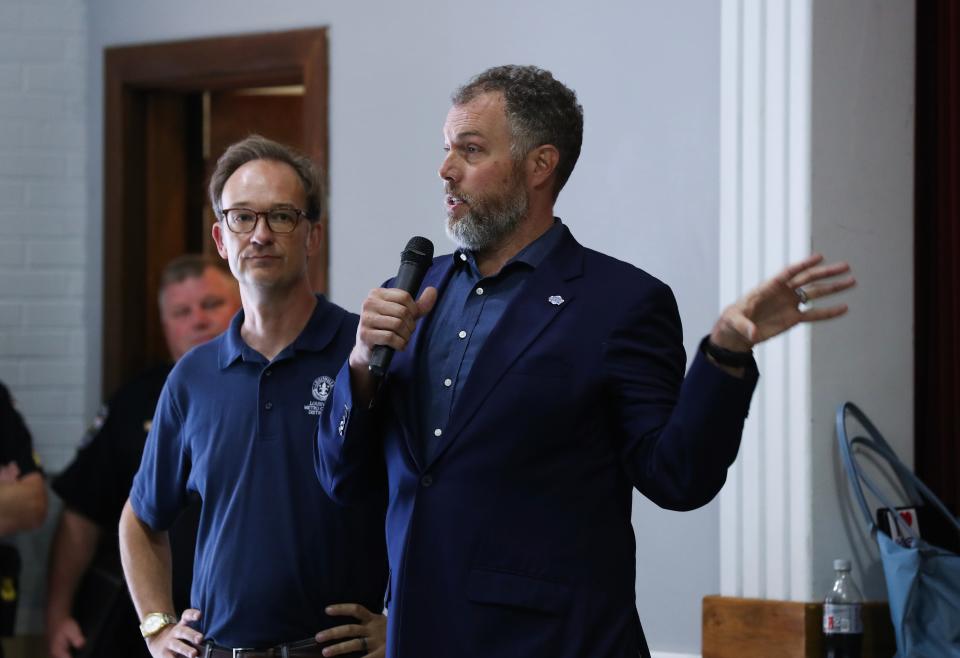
(418, 250)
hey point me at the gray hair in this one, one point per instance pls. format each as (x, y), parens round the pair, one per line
(540, 110)
(256, 147)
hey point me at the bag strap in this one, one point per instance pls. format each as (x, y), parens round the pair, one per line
(867, 443)
(853, 473)
(915, 487)
(908, 484)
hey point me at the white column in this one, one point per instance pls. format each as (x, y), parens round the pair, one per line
(765, 515)
(816, 153)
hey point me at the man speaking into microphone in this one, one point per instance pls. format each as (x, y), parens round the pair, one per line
(526, 400)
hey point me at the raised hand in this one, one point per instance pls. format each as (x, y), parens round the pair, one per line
(781, 303)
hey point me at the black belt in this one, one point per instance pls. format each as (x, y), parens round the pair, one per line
(301, 649)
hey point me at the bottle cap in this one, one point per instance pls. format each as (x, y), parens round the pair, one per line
(841, 565)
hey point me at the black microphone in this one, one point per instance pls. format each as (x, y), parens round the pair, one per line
(414, 261)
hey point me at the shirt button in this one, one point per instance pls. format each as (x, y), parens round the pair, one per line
(462, 334)
(268, 406)
(426, 480)
(448, 382)
(268, 373)
(437, 432)
(479, 291)
(463, 256)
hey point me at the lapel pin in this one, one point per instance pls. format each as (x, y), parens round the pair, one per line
(556, 300)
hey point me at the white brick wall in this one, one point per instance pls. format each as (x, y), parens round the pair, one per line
(43, 201)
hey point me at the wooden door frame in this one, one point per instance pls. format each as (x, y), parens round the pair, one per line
(219, 63)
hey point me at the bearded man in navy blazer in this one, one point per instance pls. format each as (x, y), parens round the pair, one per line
(535, 383)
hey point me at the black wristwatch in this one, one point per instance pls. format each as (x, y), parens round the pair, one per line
(726, 357)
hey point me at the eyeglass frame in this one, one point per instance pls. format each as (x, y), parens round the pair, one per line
(266, 216)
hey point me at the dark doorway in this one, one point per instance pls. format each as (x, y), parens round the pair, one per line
(937, 249)
(170, 110)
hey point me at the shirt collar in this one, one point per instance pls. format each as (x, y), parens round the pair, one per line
(531, 255)
(316, 335)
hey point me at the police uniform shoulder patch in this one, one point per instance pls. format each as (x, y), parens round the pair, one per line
(95, 426)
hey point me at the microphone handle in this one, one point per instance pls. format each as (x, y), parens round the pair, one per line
(409, 277)
(380, 360)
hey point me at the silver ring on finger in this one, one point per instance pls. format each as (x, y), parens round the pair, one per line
(363, 644)
(802, 295)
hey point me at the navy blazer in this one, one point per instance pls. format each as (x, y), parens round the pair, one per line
(515, 539)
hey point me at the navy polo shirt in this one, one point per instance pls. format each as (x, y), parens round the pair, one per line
(272, 549)
(466, 313)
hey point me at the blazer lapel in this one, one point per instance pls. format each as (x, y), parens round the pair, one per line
(549, 292)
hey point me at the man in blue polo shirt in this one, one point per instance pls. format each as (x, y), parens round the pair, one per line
(276, 559)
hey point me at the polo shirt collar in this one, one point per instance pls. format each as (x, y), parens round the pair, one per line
(316, 335)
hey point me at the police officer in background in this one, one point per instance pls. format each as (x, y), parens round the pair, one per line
(23, 501)
(198, 296)
(23, 498)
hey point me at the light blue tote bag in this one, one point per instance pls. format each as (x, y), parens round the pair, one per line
(923, 580)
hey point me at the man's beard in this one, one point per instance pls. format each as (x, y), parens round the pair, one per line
(489, 219)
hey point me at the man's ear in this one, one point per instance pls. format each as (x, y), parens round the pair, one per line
(542, 164)
(217, 231)
(314, 238)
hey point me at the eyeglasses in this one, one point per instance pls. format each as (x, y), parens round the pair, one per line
(280, 220)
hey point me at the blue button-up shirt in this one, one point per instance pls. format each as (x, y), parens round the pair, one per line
(468, 309)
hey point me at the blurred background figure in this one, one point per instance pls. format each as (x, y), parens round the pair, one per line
(23, 499)
(23, 502)
(88, 609)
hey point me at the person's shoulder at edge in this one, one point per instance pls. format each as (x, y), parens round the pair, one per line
(5, 397)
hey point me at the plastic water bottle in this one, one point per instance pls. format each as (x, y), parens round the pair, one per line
(842, 623)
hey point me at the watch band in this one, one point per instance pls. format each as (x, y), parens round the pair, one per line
(154, 622)
(727, 357)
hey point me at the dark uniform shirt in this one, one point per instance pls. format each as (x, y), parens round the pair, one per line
(15, 447)
(96, 485)
(15, 443)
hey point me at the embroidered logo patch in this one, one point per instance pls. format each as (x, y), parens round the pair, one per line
(321, 389)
